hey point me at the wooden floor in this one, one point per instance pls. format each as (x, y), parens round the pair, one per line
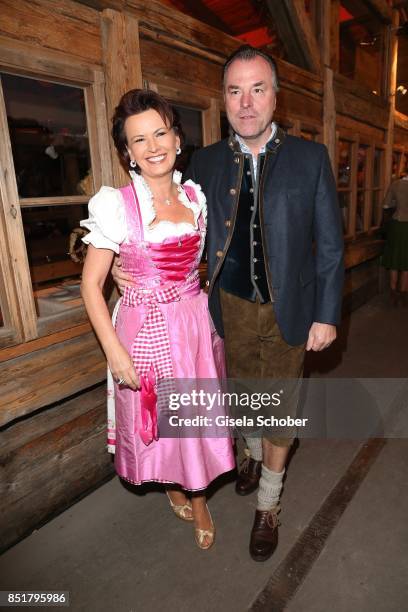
(343, 539)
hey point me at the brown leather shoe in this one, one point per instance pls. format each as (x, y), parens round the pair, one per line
(248, 477)
(264, 534)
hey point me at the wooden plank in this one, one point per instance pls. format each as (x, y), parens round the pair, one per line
(166, 19)
(53, 25)
(41, 343)
(359, 276)
(51, 459)
(353, 87)
(288, 73)
(26, 58)
(360, 109)
(391, 89)
(13, 225)
(198, 98)
(382, 9)
(176, 43)
(334, 35)
(102, 149)
(52, 324)
(122, 70)
(55, 270)
(401, 120)
(56, 372)
(53, 201)
(353, 182)
(184, 69)
(347, 124)
(8, 294)
(211, 123)
(31, 429)
(294, 103)
(359, 251)
(329, 115)
(400, 137)
(295, 31)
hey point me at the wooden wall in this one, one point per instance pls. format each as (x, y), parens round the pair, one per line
(52, 409)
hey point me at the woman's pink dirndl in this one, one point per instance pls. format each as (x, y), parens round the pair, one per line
(164, 324)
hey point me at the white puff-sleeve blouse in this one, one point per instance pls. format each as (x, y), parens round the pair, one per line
(107, 219)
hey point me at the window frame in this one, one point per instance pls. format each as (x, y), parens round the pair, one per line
(368, 188)
(19, 309)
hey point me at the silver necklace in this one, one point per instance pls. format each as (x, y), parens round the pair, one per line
(152, 197)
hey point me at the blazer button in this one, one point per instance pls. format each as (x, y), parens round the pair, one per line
(251, 190)
(207, 283)
(236, 160)
(219, 253)
(228, 223)
(233, 191)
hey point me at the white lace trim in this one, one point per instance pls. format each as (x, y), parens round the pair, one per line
(107, 218)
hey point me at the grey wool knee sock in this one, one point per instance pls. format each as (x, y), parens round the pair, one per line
(270, 486)
(255, 447)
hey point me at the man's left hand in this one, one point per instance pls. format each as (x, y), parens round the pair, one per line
(321, 335)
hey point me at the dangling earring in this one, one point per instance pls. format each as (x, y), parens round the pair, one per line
(132, 163)
(178, 151)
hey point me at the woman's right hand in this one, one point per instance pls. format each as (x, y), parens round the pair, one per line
(122, 368)
(121, 278)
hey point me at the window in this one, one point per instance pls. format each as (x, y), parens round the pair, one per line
(48, 134)
(360, 184)
(49, 235)
(377, 187)
(192, 126)
(53, 132)
(344, 186)
(50, 147)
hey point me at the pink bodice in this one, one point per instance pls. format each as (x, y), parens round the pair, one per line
(173, 261)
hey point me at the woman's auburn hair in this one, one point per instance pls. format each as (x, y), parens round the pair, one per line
(134, 102)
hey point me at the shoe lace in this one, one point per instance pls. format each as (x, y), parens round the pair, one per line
(244, 465)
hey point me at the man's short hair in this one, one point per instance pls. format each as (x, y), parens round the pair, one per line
(246, 53)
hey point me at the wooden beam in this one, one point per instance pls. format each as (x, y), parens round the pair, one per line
(329, 103)
(329, 115)
(57, 371)
(334, 35)
(49, 460)
(401, 120)
(200, 11)
(381, 8)
(392, 86)
(296, 32)
(14, 229)
(211, 123)
(123, 71)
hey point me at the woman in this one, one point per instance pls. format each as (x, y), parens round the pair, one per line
(395, 257)
(163, 330)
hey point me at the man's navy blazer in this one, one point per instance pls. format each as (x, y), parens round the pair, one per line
(300, 223)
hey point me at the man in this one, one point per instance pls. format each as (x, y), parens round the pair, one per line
(275, 259)
(269, 196)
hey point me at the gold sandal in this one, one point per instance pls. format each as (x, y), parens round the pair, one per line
(201, 535)
(181, 510)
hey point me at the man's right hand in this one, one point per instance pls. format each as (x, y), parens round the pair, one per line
(121, 278)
